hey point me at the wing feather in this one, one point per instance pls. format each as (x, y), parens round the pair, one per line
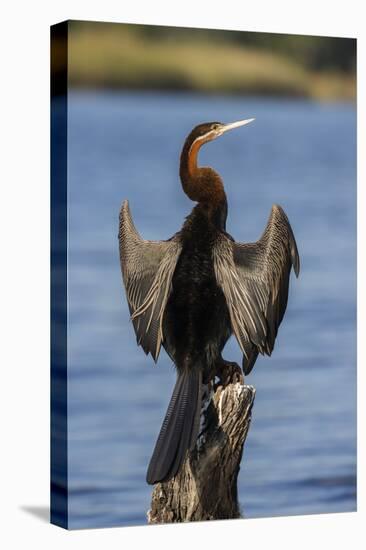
(147, 270)
(255, 280)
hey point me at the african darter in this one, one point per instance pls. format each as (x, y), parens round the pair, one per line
(192, 291)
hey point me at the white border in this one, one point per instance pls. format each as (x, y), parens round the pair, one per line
(25, 269)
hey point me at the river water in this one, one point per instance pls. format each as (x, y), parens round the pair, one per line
(300, 454)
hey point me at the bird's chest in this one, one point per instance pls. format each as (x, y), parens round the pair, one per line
(194, 278)
(196, 299)
(196, 311)
(196, 314)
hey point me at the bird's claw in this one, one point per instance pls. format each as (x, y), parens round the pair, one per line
(229, 373)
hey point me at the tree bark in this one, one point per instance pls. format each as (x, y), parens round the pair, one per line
(205, 488)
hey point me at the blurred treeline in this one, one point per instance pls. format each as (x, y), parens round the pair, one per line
(315, 52)
(126, 56)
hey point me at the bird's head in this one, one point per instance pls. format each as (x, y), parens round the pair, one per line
(203, 184)
(211, 130)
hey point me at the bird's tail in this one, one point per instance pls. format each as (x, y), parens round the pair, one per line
(180, 427)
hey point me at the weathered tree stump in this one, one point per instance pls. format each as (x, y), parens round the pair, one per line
(206, 486)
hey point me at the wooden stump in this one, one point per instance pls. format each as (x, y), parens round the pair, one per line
(206, 486)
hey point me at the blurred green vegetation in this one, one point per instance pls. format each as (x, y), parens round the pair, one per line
(112, 55)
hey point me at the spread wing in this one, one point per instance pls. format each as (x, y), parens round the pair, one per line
(255, 278)
(147, 271)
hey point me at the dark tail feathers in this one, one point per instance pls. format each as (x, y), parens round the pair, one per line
(180, 427)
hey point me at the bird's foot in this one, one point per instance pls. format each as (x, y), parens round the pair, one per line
(229, 372)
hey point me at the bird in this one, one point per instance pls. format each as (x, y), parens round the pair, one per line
(191, 292)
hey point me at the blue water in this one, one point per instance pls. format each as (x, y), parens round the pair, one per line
(300, 454)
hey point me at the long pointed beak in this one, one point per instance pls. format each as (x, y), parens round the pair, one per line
(232, 125)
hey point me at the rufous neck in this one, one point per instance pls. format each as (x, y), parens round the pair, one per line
(201, 184)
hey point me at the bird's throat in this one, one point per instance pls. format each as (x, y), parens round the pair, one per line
(201, 184)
